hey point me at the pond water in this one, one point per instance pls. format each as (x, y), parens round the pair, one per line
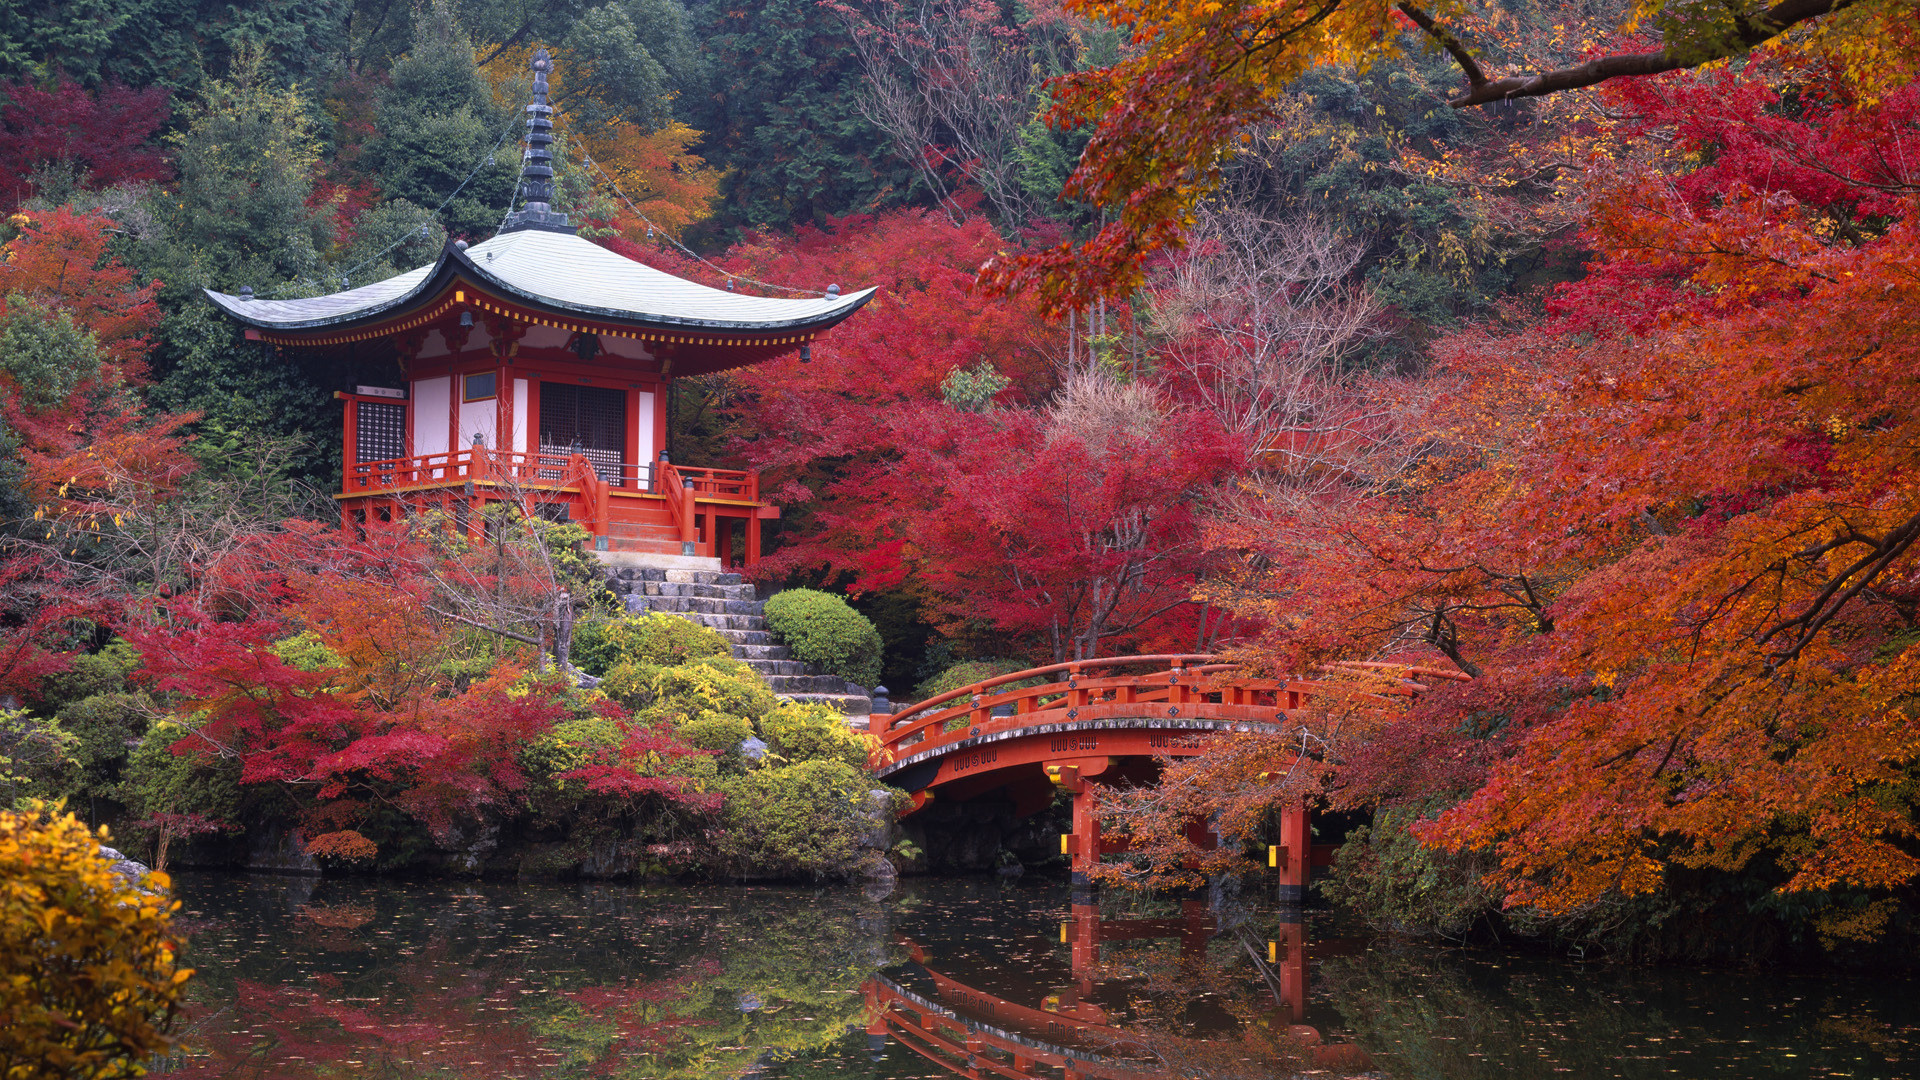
(303, 978)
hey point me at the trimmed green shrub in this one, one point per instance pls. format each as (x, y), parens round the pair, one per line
(823, 630)
(965, 672)
(813, 819)
(657, 638)
(808, 732)
(569, 744)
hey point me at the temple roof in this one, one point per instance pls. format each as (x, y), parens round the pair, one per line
(557, 271)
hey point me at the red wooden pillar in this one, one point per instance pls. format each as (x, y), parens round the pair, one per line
(687, 534)
(502, 414)
(722, 538)
(1084, 941)
(350, 438)
(635, 453)
(1293, 855)
(1086, 838)
(753, 538)
(1288, 953)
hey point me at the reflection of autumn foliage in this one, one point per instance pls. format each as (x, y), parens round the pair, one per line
(336, 916)
(524, 982)
(642, 1016)
(1183, 1011)
(305, 1031)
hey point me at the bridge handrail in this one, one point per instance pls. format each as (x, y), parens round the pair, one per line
(1075, 666)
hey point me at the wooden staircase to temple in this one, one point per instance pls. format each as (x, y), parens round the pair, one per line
(727, 604)
(652, 533)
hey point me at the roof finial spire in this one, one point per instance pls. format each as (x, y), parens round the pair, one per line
(536, 170)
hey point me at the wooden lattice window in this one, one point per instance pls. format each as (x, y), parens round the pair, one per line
(380, 432)
(587, 420)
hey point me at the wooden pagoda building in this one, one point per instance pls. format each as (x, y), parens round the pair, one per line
(533, 368)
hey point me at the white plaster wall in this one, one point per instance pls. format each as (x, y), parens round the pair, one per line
(648, 453)
(480, 416)
(519, 416)
(430, 415)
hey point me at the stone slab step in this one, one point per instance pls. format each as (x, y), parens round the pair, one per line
(750, 653)
(709, 592)
(720, 622)
(807, 684)
(855, 707)
(697, 605)
(749, 639)
(771, 669)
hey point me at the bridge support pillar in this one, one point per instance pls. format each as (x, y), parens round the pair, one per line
(1086, 838)
(1293, 855)
(1082, 845)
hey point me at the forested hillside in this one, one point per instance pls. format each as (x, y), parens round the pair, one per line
(1569, 347)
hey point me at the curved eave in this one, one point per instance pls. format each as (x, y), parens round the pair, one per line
(454, 264)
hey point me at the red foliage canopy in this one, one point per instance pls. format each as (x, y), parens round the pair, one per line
(108, 132)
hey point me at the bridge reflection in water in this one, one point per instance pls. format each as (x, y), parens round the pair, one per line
(1065, 1032)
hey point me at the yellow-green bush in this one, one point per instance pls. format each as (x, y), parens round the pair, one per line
(808, 732)
(88, 981)
(689, 691)
(307, 652)
(570, 744)
(823, 629)
(716, 732)
(657, 638)
(813, 819)
(87, 674)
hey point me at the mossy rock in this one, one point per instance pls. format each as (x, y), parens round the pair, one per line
(812, 819)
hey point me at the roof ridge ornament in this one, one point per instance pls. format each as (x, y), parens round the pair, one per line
(536, 170)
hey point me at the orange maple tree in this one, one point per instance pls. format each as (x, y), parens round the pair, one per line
(1168, 115)
(1670, 524)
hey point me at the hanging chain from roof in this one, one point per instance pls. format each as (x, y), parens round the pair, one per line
(346, 277)
(832, 293)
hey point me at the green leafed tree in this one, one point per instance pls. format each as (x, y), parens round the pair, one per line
(783, 117)
(438, 120)
(239, 214)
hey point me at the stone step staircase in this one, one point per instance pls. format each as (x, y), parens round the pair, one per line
(727, 604)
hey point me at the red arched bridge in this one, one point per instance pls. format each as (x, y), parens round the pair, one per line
(1029, 733)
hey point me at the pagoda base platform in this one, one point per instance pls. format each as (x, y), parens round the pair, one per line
(642, 560)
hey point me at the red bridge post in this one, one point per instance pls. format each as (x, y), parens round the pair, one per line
(1293, 855)
(1082, 845)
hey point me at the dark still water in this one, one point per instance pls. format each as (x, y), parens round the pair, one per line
(301, 978)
